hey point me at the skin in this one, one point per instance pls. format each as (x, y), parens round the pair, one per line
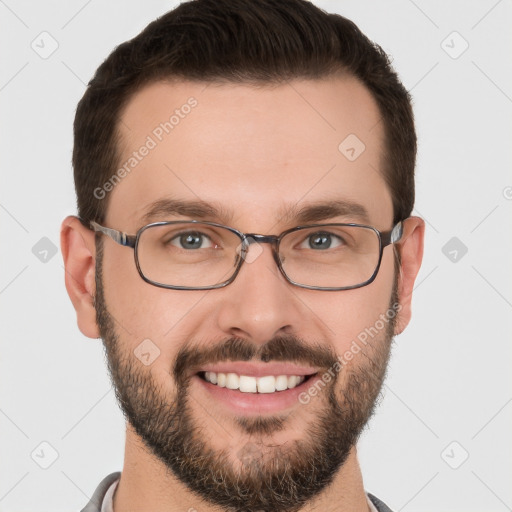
(253, 150)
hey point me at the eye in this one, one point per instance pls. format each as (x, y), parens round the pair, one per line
(192, 240)
(321, 241)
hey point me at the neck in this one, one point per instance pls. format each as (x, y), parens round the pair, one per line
(147, 485)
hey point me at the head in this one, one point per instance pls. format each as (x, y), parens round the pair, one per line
(261, 116)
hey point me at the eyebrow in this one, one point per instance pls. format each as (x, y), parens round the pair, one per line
(193, 209)
(301, 214)
(325, 210)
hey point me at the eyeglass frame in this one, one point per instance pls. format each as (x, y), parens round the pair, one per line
(386, 238)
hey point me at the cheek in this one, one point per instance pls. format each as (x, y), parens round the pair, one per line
(349, 313)
(143, 311)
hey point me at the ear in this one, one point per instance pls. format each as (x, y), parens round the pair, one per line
(79, 253)
(411, 253)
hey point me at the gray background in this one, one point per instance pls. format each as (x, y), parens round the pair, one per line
(441, 437)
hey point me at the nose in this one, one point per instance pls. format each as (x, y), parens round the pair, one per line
(259, 304)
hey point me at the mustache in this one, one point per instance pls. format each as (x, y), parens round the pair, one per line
(290, 348)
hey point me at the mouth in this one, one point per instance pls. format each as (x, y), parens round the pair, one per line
(252, 396)
(250, 384)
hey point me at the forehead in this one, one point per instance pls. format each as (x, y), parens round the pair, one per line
(252, 151)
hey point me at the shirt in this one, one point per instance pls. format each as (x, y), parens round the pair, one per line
(102, 499)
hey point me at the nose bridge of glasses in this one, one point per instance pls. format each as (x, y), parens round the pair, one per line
(253, 238)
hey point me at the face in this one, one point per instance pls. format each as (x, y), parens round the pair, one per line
(261, 160)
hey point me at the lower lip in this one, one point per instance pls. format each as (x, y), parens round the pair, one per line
(256, 403)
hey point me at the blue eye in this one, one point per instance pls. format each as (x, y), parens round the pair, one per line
(191, 240)
(321, 241)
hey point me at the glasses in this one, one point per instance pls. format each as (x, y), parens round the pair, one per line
(196, 255)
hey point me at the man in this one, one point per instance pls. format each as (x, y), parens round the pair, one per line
(244, 247)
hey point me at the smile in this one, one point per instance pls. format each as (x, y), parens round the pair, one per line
(249, 384)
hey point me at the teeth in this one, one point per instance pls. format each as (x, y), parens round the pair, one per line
(247, 384)
(221, 379)
(232, 381)
(265, 384)
(281, 383)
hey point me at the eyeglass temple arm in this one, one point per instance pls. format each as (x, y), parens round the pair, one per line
(118, 236)
(393, 236)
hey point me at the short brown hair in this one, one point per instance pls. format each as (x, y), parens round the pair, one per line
(239, 41)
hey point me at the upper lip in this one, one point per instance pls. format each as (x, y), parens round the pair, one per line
(258, 369)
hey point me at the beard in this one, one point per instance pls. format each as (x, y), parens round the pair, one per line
(262, 476)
